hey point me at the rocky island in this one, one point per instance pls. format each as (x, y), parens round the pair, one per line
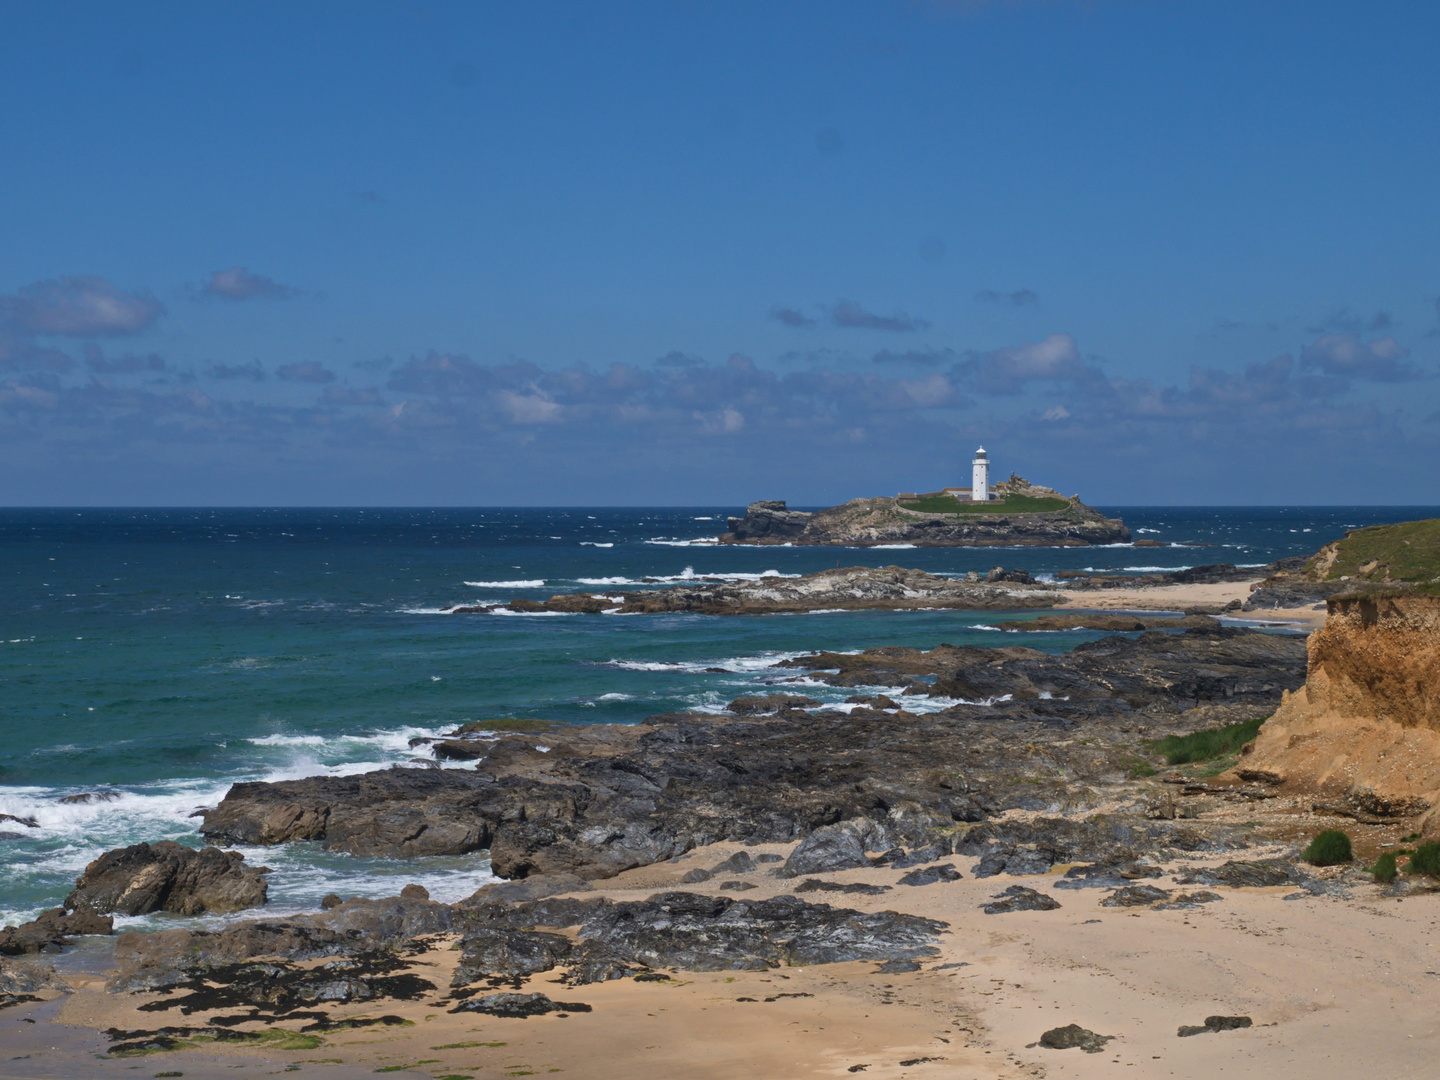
(1020, 513)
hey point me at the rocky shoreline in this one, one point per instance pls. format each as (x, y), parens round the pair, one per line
(780, 839)
(883, 588)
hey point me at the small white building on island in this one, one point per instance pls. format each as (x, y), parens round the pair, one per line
(980, 477)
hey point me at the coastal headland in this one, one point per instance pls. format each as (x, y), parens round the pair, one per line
(1061, 865)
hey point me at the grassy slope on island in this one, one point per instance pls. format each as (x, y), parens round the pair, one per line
(1013, 504)
(1407, 552)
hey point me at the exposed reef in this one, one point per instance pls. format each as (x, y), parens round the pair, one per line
(606, 798)
(850, 588)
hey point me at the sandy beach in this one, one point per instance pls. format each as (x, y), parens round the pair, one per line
(1180, 597)
(975, 1010)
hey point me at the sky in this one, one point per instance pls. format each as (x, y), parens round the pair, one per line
(699, 253)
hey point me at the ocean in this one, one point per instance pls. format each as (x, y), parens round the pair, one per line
(149, 658)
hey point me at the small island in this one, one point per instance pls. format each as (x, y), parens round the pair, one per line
(1012, 512)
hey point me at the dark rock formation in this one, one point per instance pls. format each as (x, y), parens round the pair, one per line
(1213, 1024)
(932, 874)
(518, 1006)
(1019, 898)
(165, 876)
(1135, 896)
(355, 928)
(852, 785)
(867, 522)
(1073, 1036)
(848, 588)
(1241, 874)
(694, 932)
(52, 930)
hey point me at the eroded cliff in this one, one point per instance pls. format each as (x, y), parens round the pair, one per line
(1365, 728)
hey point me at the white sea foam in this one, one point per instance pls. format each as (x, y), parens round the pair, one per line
(507, 611)
(595, 543)
(699, 541)
(734, 665)
(605, 581)
(534, 583)
(891, 547)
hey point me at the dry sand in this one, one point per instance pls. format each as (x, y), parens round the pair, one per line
(1180, 597)
(1332, 985)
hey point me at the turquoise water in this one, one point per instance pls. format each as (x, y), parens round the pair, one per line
(156, 656)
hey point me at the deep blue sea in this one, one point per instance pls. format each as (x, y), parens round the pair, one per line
(156, 656)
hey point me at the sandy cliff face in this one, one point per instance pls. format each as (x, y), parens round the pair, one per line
(1365, 727)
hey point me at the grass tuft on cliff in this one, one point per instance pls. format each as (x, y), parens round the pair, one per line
(1384, 870)
(1425, 860)
(1011, 504)
(1407, 552)
(1209, 744)
(1329, 848)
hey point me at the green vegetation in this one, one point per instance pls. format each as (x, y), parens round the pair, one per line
(1012, 504)
(1209, 744)
(1425, 860)
(1410, 839)
(466, 1045)
(1384, 869)
(1329, 848)
(402, 1068)
(1409, 551)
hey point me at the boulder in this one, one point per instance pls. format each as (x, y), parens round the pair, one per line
(165, 876)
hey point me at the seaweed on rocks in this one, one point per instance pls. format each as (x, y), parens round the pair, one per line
(519, 1006)
(1019, 898)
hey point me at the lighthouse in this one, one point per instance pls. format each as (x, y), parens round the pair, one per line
(980, 477)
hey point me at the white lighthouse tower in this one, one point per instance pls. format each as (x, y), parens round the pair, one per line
(980, 477)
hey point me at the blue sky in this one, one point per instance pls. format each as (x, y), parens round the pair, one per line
(696, 253)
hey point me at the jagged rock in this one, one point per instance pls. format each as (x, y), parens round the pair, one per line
(51, 930)
(492, 951)
(769, 703)
(518, 1006)
(1073, 1036)
(694, 877)
(19, 978)
(535, 887)
(857, 887)
(165, 876)
(929, 853)
(741, 886)
(1189, 900)
(165, 958)
(836, 847)
(1215, 1023)
(414, 892)
(1135, 896)
(331, 900)
(932, 874)
(1019, 898)
(1242, 874)
(739, 863)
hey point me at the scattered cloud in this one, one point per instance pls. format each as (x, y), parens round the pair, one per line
(1345, 321)
(849, 314)
(1018, 298)
(918, 357)
(1010, 370)
(346, 395)
(307, 371)
(238, 283)
(675, 358)
(252, 371)
(78, 307)
(791, 317)
(379, 363)
(129, 364)
(1346, 356)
